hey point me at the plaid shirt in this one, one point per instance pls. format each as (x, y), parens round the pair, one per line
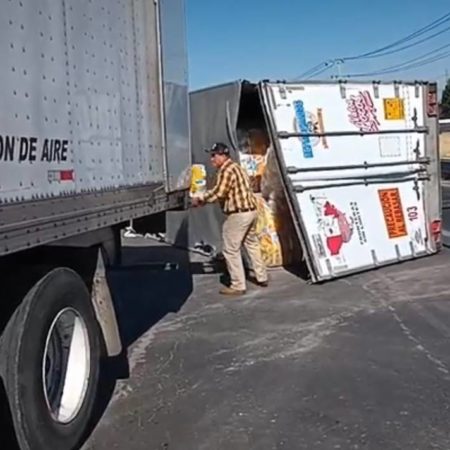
(232, 190)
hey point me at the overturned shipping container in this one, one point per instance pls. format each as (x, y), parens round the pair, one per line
(350, 170)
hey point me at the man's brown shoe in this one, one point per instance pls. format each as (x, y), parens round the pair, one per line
(262, 283)
(231, 292)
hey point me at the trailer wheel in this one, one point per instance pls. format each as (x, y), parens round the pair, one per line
(53, 357)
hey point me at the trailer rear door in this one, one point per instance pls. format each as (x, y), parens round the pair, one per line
(358, 171)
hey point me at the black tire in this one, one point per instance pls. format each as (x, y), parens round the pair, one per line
(26, 343)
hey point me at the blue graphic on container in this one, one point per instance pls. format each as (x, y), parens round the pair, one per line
(304, 128)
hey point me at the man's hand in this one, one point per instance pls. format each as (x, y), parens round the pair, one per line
(196, 202)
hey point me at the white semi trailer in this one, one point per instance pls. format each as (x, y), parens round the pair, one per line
(94, 131)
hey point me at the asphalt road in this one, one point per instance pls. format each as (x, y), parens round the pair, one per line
(358, 363)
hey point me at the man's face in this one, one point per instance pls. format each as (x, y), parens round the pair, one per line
(218, 160)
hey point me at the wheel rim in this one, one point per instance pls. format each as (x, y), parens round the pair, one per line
(66, 365)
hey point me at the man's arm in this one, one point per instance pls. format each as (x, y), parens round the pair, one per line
(221, 189)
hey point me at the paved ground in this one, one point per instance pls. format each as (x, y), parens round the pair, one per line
(359, 363)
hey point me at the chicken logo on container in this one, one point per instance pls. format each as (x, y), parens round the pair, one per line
(338, 229)
(334, 225)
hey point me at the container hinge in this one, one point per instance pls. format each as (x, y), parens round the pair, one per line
(374, 258)
(417, 89)
(397, 252)
(416, 188)
(376, 89)
(396, 89)
(417, 149)
(272, 99)
(282, 91)
(342, 88)
(414, 118)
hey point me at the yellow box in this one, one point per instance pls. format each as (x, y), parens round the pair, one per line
(198, 180)
(267, 234)
(394, 109)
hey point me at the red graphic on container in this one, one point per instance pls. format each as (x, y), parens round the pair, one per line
(337, 228)
(362, 112)
(61, 176)
(67, 175)
(333, 224)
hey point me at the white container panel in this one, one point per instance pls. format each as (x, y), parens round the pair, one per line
(356, 227)
(322, 109)
(357, 174)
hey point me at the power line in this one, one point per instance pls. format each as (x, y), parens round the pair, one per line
(433, 25)
(386, 50)
(405, 47)
(409, 64)
(329, 66)
(416, 59)
(313, 70)
(316, 70)
(402, 67)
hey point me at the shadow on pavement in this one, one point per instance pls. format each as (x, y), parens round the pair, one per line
(153, 281)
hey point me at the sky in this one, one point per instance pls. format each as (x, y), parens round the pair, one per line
(281, 39)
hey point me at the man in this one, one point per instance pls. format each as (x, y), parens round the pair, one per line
(233, 191)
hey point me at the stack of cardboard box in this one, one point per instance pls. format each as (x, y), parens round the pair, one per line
(275, 230)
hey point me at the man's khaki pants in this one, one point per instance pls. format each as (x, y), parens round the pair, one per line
(238, 229)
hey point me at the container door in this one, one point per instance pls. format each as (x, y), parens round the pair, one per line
(355, 169)
(175, 93)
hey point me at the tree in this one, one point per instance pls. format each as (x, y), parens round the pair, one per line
(445, 102)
